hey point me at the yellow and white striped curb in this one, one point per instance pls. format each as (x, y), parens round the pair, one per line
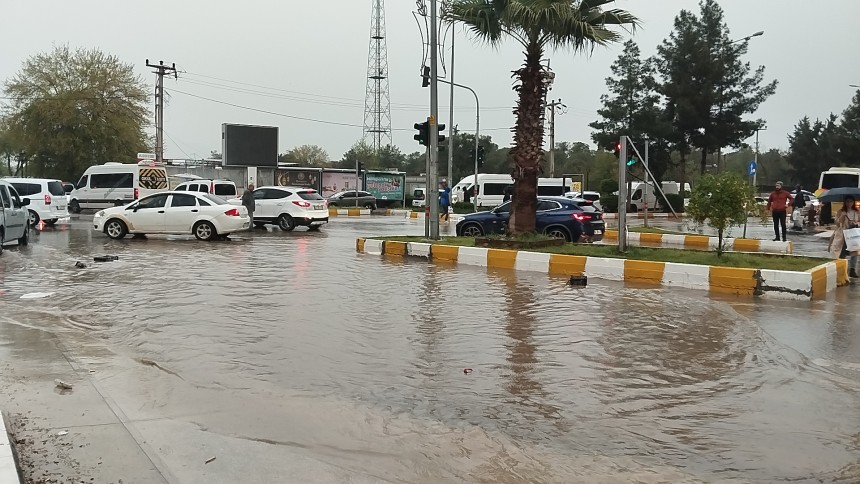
(8, 470)
(814, 283)
(421, 216)
(348, 212)
(700, 242)
(641, 215)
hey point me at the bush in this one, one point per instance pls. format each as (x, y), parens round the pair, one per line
(463, 207)
(609, 203)
(608, 187)
(675, 200)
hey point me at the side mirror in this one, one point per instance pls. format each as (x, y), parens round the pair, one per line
(25, 202)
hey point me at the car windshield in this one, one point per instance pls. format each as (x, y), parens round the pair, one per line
(213, 199)
(56, 188)
(310, 195)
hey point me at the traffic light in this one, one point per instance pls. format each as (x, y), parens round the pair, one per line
(421, 137)
(441, 129)
(616, 148)
(481, 155)
(360, 166)
(632, 161)
(425, 76)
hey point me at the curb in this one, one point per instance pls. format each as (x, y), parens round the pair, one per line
(701, 242)
(364, 212)
(422, 216)
(641, 215)
(8, 468)
(812, 284)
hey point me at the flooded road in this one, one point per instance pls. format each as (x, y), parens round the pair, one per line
(294, 359)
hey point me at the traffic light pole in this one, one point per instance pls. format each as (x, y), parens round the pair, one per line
(645, 162)
(433, 159)
(622, 196)
(477, 134)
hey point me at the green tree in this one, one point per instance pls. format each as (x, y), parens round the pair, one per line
(389, 157)
(72, 108)
(812, 149)
(464, 154)
(848, 142)
(708, 87)
(306, 155)
(538, 25)
(359, 152)
(11, 156)
(722, 201)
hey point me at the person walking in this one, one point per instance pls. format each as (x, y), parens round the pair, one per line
(778, 203)
(248, 202)
(445, 200)
(847, 218)
(797, 208)
(509, 190)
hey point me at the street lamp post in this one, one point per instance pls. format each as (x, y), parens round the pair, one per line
(720, 164)
(477, 133)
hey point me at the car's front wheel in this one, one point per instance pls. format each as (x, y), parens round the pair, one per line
(74, 206)
(286, 223)
(558, 232)
(116, 229)
(34, 218)
(471, 230)
(205, 231)
(25, 239)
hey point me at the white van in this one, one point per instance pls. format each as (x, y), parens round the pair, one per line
(222, 188)
(491, 188)
(47, 198)
(112, 184)
(638, 197)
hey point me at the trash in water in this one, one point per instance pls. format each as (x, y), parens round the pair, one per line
(63, 385)
(209, 460)
(105, 258)
(62, 433)
(80, 265)
(467, 371)
(37, 295)
(579, 281)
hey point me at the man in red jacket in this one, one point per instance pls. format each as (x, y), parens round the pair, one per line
(778, 203)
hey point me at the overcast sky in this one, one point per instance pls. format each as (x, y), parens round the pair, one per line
(314, 56)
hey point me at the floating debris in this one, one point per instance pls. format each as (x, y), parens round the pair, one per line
(63, 385)
(209, 460)
(105, 258)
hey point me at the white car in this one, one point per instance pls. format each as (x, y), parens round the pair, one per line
(47, 198)
(205, 216)
(288, 207)
(593, 197)
(13, 217)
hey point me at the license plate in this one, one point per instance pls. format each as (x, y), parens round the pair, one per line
(318, 223)
(598, 232)
(318, 207)
(61, 207)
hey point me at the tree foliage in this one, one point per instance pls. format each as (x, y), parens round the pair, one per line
(709, 89)
(464, 155)
(538, 25)
(306, 155)
(722, 201)
(389, 157)
(812, 149)
(72, 108)
(848, 139)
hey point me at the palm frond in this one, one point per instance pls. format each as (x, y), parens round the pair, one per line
(482, 17)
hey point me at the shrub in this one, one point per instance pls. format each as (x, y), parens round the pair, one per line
(676, 201)
(608, 187)
(721, 201)
(609, 203)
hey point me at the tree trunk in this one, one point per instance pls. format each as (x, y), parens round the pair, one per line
(528, 142)
(720, 243)
(683, 175)
(704, 163)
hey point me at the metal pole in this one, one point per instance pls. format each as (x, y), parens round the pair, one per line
(477, 132)
(645, 162)
(622, 197)
(552, 140)
(451, 180)
(433, 174)
(755, 173)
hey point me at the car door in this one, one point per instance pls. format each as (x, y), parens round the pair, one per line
(347, 200)
(262, 209)
(14, 214)
(181, 213)
(498, 223)
(548, 213)
(277, 203)
(148, 215)
(81, 193)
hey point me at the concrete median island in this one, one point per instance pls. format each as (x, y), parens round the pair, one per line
(773, 276)
(642, 238)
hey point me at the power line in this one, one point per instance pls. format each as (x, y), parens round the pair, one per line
(178, 146)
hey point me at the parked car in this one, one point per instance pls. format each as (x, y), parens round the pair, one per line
(288, 207)
(222, 188)
(47, 198)
(14, 226)
(115, 184)
(352, 198)
(593, 197)
(556, 216)
(205, 216)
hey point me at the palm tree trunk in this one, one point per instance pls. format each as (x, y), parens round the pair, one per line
(528, 142)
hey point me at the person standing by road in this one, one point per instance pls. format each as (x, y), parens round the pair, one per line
(797, 208)
(778, 203)
(847, 218)
(445, 199)
(248, 202)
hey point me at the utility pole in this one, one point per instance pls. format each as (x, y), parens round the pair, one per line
(552, 107)
(645, 162)
(622, 196)
(433, 121)
(451, 129)
(160, 70)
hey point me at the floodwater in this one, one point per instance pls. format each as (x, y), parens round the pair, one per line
(295, 344)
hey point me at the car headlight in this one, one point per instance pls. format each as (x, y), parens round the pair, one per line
(101, 214)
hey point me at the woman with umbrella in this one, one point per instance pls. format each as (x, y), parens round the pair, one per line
(847, 218)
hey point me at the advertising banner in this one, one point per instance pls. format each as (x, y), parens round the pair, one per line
(304, 178)
(333, 182)
(385, 186)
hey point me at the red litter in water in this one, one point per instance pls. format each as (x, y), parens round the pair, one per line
(467, 371)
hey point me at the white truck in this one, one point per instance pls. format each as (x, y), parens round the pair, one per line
(640, 196)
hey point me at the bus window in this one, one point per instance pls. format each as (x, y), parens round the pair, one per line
(839, 180)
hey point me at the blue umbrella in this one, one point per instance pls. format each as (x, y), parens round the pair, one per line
(838, 194)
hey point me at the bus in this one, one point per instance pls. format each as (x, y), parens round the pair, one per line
(836, 177)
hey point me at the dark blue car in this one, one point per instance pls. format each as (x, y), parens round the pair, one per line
(556, 216)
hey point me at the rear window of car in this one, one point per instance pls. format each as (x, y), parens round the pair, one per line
(593, 198)
(56, 188)
(213, 199)
(309, 195)
(588, 208)
(224, 189)
(27, 189)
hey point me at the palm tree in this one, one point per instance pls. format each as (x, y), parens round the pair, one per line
(538, 25)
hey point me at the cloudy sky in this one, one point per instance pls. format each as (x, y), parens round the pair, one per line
(308, 59)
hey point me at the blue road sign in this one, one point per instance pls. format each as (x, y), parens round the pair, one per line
(752, 168)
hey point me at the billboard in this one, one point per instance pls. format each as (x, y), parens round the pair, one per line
(333, 182)
(245, 145)
(385, 186)
(299, 177)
